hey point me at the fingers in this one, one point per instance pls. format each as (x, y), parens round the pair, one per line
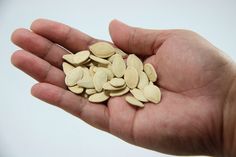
(39, 46)
(94, 114)
(68, 37)
(38, 68)
(142, 42)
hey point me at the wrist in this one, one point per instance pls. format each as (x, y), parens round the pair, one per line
(229, 120)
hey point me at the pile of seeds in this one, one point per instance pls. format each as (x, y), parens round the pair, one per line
(104, 71)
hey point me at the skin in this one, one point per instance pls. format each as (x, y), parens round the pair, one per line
(196, 113)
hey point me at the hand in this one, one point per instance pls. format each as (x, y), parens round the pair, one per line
(193, 75)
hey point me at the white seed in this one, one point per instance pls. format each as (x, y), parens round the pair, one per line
(102, 72)
(102, 49)
(131, 77)
(117, 82)
(143, 80)
(73, 76)
(152, 93)
(120, 52)
(87, 80)
(90, 91)
(76, 89)
(110, 59)
(150, 71)
(119, 92)
(108, 86)
(98, 97)
(67, 67)
(118, 66)
(138, 94)
(69, 58)
(100, 77)
(135, 62)
(81, 57)
(99, 60)
(86, 83)
(108, 72)
(133, 101)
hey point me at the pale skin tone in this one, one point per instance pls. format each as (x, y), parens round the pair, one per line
(196, 113)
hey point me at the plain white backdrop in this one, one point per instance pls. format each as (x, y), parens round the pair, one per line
(29, 127)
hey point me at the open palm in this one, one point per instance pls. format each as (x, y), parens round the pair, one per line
(192, 74)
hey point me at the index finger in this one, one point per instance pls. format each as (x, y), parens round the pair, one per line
(94, 114)
(64, 35)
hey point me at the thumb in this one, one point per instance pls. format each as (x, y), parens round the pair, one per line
(143, 42)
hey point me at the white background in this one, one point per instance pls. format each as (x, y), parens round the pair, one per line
(31, 128)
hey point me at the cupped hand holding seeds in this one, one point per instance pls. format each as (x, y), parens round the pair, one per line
(194, 79)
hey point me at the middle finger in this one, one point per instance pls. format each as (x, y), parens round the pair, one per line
(38, 68)
(39, 46)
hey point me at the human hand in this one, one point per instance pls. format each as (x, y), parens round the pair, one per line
(193, 75)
